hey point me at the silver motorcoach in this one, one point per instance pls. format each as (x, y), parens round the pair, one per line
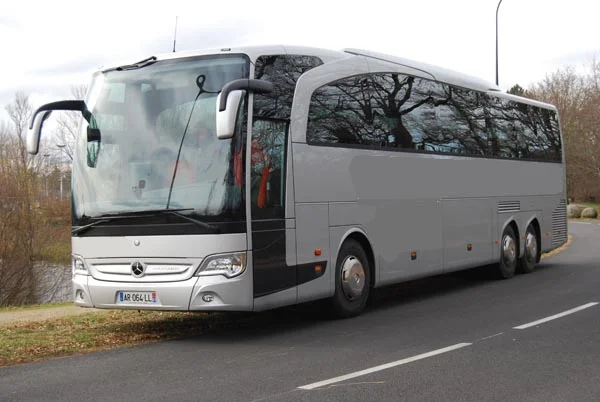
(252, 178)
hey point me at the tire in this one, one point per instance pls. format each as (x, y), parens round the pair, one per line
(352, 280)
(531, 254)
(509, 254)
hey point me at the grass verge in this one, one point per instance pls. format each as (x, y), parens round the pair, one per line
(593, 205)
(34, 307)
(34, 341)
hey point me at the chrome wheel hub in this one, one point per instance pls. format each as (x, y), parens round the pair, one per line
(353, 278)
(531, 247)
(509, 250)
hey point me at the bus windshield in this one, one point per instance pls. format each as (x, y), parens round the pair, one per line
(150, 119)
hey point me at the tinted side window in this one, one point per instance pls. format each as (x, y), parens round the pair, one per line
(460, 124)
(398, 112)
(405, 110)
(375, 110)
(394, 111)
(269, 131)
(526, 127)
(523, 131)
(267, 175)
(283, 71)
(342, 113)
(505, 129)
(547, 143)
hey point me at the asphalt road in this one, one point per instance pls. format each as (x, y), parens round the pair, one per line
(458, 337)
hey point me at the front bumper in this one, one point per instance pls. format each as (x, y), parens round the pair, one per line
(205, 293)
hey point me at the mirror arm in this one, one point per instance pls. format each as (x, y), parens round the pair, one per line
(251, 85)
(75, 105)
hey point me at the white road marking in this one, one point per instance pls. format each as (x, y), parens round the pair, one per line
(383, 366)
(491, 336)
(554, 317)
(349, 384)
(582, 223)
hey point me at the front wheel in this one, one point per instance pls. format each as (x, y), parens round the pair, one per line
(352, 280)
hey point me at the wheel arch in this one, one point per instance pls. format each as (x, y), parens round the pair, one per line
(512, 222)
(362, 238)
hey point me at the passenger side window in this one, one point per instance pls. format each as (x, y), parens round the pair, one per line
(505, 129)
(460, 122)
(342, 113)
(399, 112)
(283, 71)
(376, 111)
(267, 177)
(549, 132)
(406, 110)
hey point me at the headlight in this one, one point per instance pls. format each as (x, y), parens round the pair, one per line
(78, 265)
(229, 265)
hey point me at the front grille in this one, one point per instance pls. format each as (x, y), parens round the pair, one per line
(143, 270)
(559, 224)
(509, 206)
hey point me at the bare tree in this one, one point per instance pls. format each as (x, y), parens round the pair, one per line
(26, 222)
(577, 97)
(16, 231)
(68, 124)
(20, 112)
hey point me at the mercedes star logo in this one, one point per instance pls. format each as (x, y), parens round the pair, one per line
(137, 269)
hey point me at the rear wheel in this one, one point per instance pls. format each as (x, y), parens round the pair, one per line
(532, 251)
(509, 252)
(352, 280)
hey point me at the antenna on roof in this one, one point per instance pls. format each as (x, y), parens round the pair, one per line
(175, 35)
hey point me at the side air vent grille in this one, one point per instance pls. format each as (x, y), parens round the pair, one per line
(559, 224)
(509, 206)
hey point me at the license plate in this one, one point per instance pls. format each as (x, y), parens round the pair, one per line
(137, 298)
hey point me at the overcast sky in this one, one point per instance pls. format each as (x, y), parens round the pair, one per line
(47, 47)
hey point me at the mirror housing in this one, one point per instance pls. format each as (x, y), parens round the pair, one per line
(229, 100)
(35, 131)
(227, 118)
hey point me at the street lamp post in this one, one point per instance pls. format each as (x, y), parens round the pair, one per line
(497, 8)
(61, 147)
(46, 158)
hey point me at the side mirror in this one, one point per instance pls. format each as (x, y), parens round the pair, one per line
(93, 142)
(229, 100)
(226, 119)
(34, 133)
(43, 112)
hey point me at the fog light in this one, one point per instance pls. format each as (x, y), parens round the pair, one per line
(208, 298)
(80, 294)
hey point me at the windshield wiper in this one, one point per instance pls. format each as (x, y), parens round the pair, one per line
(152, 212)
(81, 229)
(139, 64)
(138, 213)
(204, 225)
